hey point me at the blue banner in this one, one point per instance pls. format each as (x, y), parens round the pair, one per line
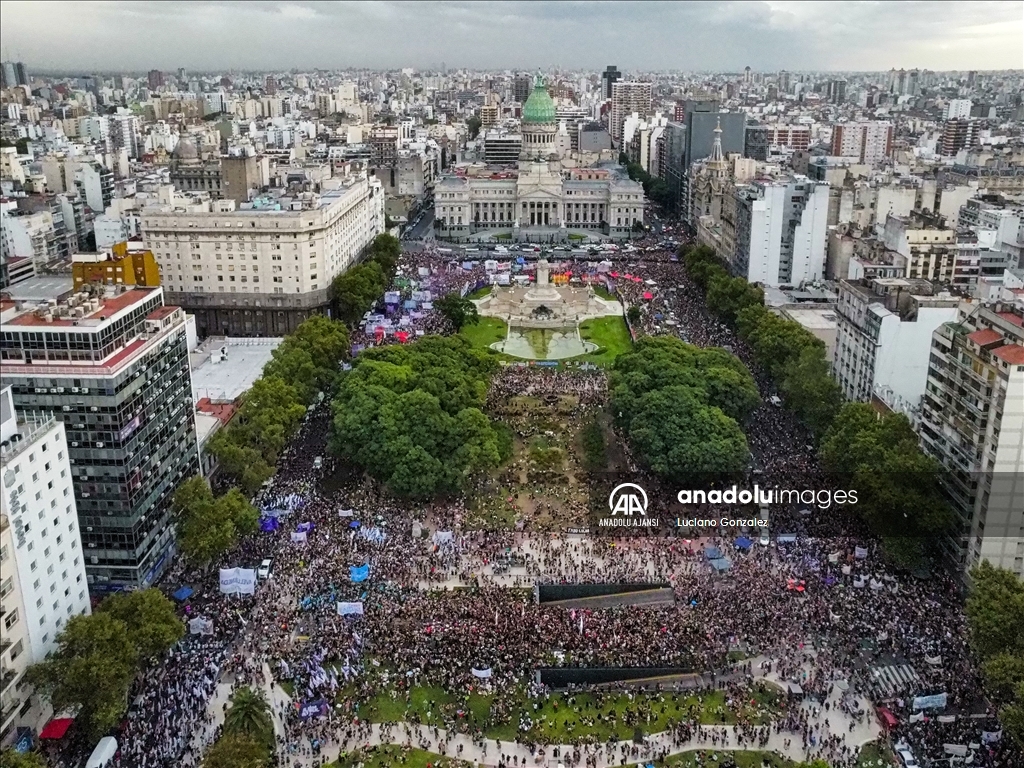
(359, 573)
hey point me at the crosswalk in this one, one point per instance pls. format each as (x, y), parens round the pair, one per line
(894, 679)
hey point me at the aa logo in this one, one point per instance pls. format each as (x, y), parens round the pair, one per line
(628, 499)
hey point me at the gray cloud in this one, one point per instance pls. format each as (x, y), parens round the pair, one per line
(711, 36)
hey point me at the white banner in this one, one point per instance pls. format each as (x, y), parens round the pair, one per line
(350, 609)
(947, 718)
(917, 717)
(991, 737)
(847, 570)
(860, 582)
(933, 660)
(860, 552)
(200, 626)
(299, 537)
(482, 674)
(237, 581)
(957, 750)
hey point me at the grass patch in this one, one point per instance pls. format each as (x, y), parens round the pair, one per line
(479, 293)
(610, 334)
(870, 755)
(603, 293)
(386, 756)
(743, 759)
(486, 332)
(561, 719)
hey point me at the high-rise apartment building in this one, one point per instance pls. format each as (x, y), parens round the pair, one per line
(155, 79)
(270, 85)
(958, 134)
(883, 337)
(112, 365)
(627, 97)
(759, 140)
(926, 243)
(781, 231)
(609, 77)
(972, 421)
(13, 74)
(957, 109)
(261, 269)
(38, 500)
(869, 141)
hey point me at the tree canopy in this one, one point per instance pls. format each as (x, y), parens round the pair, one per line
(249, 717)
(457, 310)
(10, 758)
(90, 670)
(209, 527)
(411, 415)
(681, 406)
(898, 492)
(236, 752)
(995, 615)
(150, 618)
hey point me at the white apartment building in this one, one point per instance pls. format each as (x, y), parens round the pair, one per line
(15, 645)
(883, 339)
(43, 565)
(781, 232)
(627, 97)
(972, 421)
(263, 268)
(868, 141)
(957, 109)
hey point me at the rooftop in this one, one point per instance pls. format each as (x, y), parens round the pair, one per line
(87, 313)
(1011, 353)
(223, 369)
(40, 288)
(985, 337)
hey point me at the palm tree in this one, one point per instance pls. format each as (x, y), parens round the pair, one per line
(249, 716)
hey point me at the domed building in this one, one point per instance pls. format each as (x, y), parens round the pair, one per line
(190, 173)
(539, 124)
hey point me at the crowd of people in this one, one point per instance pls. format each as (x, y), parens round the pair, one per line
(820, 612)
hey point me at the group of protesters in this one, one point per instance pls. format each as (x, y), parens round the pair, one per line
(362, 605)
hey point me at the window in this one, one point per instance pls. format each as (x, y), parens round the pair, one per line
(11, 619)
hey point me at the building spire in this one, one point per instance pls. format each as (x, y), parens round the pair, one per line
(716, 148)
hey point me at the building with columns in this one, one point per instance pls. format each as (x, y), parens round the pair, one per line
(540, 201)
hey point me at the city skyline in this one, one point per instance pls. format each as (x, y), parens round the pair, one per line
(847, 36)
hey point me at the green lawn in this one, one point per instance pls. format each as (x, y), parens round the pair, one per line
(390, 756)
(479, 293)
(874, 755)
(610, 334)
(556, 721)
(486, 332)
(604, 293)
(744, 759)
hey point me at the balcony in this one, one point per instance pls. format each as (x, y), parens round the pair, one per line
(5, 643)
(6, 678)
(8, 709)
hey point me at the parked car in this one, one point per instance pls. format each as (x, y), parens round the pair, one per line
(265, 568)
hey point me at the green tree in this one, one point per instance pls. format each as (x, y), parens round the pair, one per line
(473, 126)
(354, 292)
(727, 296)
(457, 310)
(209, 527)
(237, 752)
(412, 416)
(680, 438)
(810, 391)
(995, 616)
(898, 491)
(152, 624)
(90, 670)
(9, 758)
(633, 314)
(386, 250)
(595, 457)
(249, 717)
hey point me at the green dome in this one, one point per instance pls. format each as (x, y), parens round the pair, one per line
(539, 108)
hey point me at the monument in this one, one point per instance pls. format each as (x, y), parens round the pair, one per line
(543, 319)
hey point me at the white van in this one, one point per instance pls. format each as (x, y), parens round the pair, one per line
(103, 754)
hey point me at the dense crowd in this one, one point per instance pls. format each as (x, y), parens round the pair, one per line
(849, 616)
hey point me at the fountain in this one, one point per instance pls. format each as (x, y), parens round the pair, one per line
(543, 319)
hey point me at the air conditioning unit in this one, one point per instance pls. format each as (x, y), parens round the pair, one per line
(61, 390)
(99, 445)
(74, 445)
(66, 408)
(74, 389)
(93, 408)
(85, 390)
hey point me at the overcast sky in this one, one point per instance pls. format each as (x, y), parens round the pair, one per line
(718, 36)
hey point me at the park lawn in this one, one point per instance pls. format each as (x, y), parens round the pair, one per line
(479, 293)
(874, 754)
(603, 293)
(556, 722)
(388, 756)
(743, 759)
(610, 334)
(485, 332)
